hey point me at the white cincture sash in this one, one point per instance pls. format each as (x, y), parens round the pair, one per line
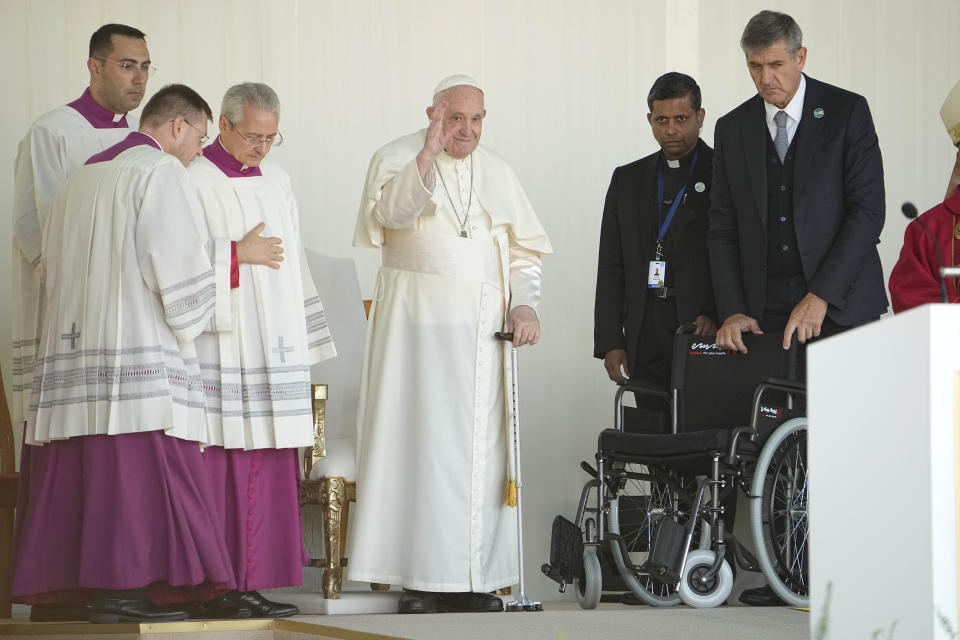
(444, 255)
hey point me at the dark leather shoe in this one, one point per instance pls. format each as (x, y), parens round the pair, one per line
(223, 607)
(761, 597)
(260, 607)
(418, 602)
(59, 612)
(469, 603)
(131, 605)
(630, 598)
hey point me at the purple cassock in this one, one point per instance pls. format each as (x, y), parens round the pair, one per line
(258, 491)
(117, 512)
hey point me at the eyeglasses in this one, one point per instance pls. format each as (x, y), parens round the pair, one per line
(203, 138)
(131, 67)
(274, 141)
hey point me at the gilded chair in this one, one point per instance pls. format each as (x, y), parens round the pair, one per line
(8, 501)
(329, 469)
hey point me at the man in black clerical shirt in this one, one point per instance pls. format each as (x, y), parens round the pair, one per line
(653, 273)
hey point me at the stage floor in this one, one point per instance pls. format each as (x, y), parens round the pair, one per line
(559, 621)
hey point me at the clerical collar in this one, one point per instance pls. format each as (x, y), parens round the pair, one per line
(135, 139)
(98, 115)
(216, 153)
(683, 162)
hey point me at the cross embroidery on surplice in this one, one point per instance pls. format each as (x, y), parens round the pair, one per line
(282, 350)
(72, 336)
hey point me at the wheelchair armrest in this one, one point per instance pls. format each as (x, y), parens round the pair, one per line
(790, 387)
(785, 385)
(642, 388)
(636, 386)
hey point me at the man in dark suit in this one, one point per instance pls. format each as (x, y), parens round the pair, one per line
(653, 273)
(797, 203)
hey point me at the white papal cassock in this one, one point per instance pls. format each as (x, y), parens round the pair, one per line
(432, 435)
(257, 372)
(56, 144)
(119, 358)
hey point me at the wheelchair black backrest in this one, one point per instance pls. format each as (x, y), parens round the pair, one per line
(715, 387)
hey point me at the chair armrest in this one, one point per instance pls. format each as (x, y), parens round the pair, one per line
(790, 387)
(785, 385)
(642, 388)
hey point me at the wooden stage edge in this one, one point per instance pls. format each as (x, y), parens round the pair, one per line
(200, 626)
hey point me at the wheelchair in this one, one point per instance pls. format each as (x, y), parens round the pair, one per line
(652, 517)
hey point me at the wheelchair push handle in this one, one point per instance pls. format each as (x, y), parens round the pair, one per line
(506, 336)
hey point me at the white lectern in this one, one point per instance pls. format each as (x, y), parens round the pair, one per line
(884, 412)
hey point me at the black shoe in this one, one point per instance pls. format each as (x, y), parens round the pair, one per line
(220, 608)
(260, 607)
(761, 597)
(59, 612)
(469, 603)
(130, 605)
(630, 598)
(418, 602)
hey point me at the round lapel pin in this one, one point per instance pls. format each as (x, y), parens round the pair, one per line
(818, 113)
(699, 187)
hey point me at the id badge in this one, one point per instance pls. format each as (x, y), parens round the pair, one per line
(657, 274)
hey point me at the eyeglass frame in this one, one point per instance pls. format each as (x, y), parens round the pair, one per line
(275, 142)
(130, 67)
(203, 139)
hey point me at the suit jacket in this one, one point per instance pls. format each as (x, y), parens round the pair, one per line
(838, 206)
(628, 235)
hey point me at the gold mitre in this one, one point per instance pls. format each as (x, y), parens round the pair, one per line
(950, 113)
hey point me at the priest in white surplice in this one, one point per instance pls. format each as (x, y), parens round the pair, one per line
(461, 260)
(113, 503)
(256, 374)
(56, 144)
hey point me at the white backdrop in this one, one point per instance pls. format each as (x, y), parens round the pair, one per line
(566, 84)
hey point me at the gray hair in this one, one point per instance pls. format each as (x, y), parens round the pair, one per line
(255, 94)
(769, 27)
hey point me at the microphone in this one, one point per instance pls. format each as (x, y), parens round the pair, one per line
(909, 210)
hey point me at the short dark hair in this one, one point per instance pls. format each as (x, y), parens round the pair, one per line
(171, 101)
(674, 85)
(769, 27)
(101, 44)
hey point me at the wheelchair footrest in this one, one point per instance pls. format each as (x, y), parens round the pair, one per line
(665, 560)
(566, 552)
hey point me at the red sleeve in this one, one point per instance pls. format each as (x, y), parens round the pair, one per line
(915, 279)
(234, 267)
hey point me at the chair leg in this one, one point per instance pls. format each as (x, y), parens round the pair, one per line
(6, 561)
(333, 501)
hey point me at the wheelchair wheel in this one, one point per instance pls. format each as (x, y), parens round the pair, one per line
(633, 515)
(696, 592)
(589, 584)
(778, 512)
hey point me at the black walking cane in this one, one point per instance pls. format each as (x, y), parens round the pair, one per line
(520, 604)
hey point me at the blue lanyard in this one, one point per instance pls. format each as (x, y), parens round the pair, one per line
(676, 201)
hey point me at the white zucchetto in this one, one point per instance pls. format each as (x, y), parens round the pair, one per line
(456, 80)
